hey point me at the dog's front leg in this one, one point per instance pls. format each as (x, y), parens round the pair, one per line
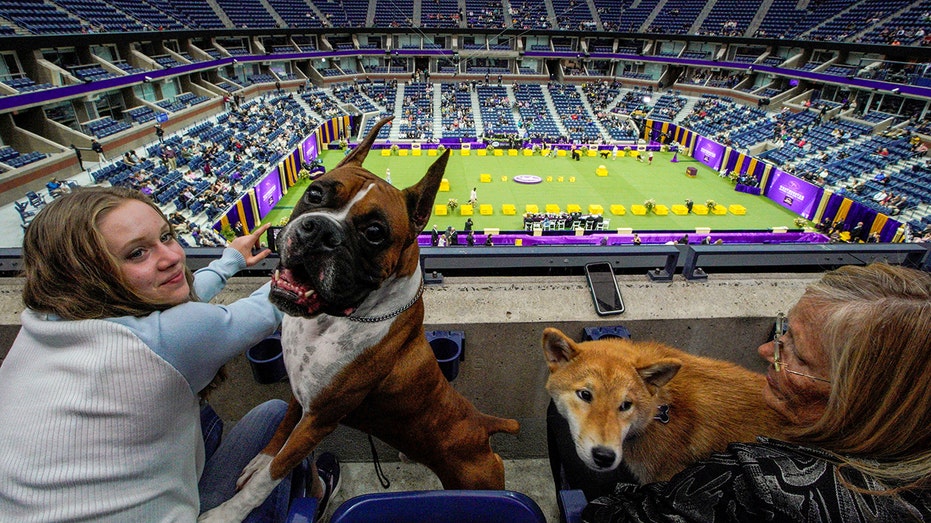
(264, 472)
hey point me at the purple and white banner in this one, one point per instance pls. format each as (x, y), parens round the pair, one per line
(310, 148)
(268, 192)
(709, 152)
(792, 193)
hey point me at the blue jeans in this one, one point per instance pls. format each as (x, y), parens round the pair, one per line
(243, 442)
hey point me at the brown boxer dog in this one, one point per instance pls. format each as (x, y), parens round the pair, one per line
(350, 284)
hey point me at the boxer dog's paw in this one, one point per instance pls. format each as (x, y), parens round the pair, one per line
(221, 514)
(260, 462)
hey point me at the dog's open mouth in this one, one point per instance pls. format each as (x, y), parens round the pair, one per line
(296, 298)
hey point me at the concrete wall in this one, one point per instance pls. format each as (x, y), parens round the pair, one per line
(728, 317)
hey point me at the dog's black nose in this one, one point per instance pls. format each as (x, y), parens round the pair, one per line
(603, 456)
(319, 233)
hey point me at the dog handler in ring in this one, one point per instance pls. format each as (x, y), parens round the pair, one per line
(850, 369)
(100, 418)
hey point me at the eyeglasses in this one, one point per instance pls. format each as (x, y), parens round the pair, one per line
(782, 326)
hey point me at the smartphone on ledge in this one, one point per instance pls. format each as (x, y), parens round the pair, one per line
(605, 292)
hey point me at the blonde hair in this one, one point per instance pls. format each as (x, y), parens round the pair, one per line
(876, 329)
(68, 269)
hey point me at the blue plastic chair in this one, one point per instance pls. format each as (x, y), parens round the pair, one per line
(440, 506)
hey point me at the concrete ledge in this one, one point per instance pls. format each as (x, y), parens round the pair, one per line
(503, 320)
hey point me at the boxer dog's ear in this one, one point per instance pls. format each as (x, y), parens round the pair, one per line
(357, 155)
(420, 197)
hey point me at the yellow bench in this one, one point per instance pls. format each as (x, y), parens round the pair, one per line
(549, 178)
(638, 209)
(403, 152)
(528, 152)
(440, 210)
(660, 210)
(499, 152)
(444, 185)
(481, 152)
(415, 152)
(560, 152)
(512, 152)
(680, 210)
(484, 178)
(700, 208)
(465, 152)
(719, 210)
(531, 208)
(386, 152)
(593, 152)
(466, 209)
(594, 208)
(508, 209)
(618, 209)
(430, 152)
(573, 207)
(552, 208)
(601, 171)
(572, 179)
(737, 209)
(485, 209)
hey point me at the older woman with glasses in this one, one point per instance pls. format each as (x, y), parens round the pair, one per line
(850, 368)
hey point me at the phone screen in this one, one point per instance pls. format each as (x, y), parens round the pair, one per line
(604, 288)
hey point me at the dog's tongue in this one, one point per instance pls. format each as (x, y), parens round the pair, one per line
(304, 295)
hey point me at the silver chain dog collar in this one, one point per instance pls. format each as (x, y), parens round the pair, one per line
(383, 317)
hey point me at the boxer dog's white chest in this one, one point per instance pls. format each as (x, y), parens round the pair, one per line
(317, 349)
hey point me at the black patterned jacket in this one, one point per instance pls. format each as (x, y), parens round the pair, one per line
(765, 481)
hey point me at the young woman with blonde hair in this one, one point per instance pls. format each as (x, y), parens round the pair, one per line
(100, 418)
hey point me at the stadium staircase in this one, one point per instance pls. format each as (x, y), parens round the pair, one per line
(591, 113)
(398, 111)
(554, 114)
(220, 13)
(687, 110)
(437, 102)
(477, 114)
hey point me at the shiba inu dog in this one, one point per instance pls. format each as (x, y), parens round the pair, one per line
(656, 408)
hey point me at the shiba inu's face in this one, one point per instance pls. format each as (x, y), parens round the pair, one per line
(606, 389)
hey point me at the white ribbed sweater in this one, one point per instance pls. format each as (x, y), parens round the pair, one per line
(90, 415)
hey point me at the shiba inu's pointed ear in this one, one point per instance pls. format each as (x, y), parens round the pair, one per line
(660, 372)
(420, 197)
(558, 349)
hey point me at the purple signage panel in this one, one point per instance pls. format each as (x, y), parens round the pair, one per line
(793, 193)
(709, 152)
(310, 147)
(268, 192)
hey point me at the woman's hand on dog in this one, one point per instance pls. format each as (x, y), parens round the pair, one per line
(249, 246)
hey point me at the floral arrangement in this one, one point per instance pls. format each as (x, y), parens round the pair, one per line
(440, 149)
(801, 222)
(649, 204)
(627, 148)
(452, 204)
(711, 204)
(394, 148)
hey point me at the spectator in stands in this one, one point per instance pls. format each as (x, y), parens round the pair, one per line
(108, 295)
(77, 154)
(128, 159)
(55, 188)
(843, 460)
(159, 133)
(98, 148)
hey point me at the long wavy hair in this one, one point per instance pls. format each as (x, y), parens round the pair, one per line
(876, 328)
(68, 269)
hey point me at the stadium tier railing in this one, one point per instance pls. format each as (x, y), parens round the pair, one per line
(659, 262)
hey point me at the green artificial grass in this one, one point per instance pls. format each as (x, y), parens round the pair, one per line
(628, 182)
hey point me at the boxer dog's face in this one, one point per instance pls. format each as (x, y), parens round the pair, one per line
(349, 232)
